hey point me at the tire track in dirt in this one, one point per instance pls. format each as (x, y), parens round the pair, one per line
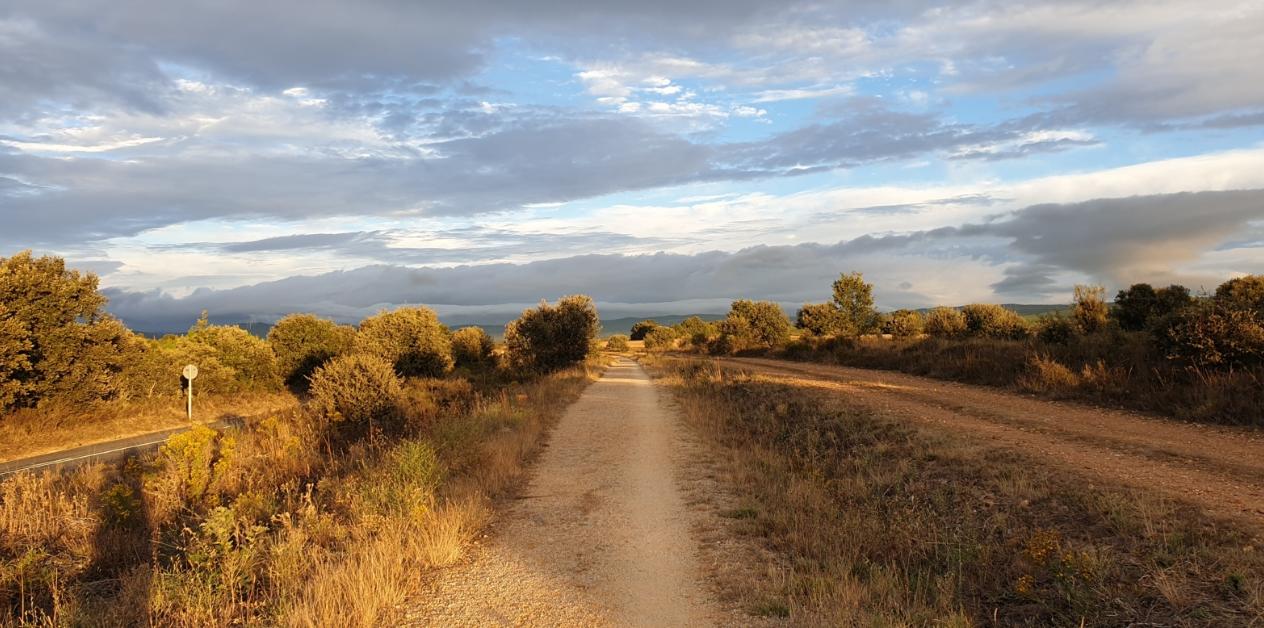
(601, 534)
(1219, 469)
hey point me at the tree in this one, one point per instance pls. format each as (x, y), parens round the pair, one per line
(854, 300)
(1171, 300)
(472, 347)
(56, 341)
(411, 338)
(818, 319)
(945, 322)
(1243, 293)
(551, 337)
(765, 326)
(640, 329)
(904, 324)
(1135, 306)
(617, 342)
(251, 360)
(303, 342)
(1090, 311)
(695, 330)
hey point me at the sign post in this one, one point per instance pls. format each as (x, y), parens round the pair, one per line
(190, 373)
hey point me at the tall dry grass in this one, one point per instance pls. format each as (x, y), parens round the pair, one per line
(274, 524)
(877, 523)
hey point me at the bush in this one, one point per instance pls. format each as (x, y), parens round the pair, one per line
(695, 330)
(410, 338)
(945, 322)
(660, 338)
(1135, 306)
(1090, 309)
(57, 344)
(1046, 375)
(1055, 329)
(252, 361)
(304, 342)
(1243, 293)
(853, 299)
(472, 348)
(759, 324)
(358, 389)
(617, 342)
(993, 321)
(1209, 335)
(640, 329)
(904, 324)
(548, 338)
(818, 319)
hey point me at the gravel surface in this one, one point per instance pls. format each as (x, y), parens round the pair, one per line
(600, 536)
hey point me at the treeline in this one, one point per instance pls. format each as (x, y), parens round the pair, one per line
(58, 346)
(1159, 349)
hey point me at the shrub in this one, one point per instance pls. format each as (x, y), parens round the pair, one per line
(1243, 293)
(1209, 335)
(853, 298)
(765, 324)
(56, 341)
(945, 322)
(357, 389)
(640, 329)
(303, 342)
(695, 330)
(904, 324)
(410, 338)
(1134, 306)
(548, 337)
(472, 347)
(1090, 309)
(252, 361)
(617, 342)
(818, 319)
(1055, 328)
(1046, 375)
(993, 321)
(660, 338)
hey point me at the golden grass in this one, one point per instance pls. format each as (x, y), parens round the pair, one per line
(271, 524)
(35, 431)
(877, 523)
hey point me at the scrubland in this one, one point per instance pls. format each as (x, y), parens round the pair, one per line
(878, 522)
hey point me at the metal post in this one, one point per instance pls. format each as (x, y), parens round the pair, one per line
(190, 400)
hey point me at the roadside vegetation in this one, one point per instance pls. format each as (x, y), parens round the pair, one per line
(328, 513)
(875, 522)
(1164, 350)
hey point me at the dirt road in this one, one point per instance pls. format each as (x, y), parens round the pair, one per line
(601, 535)
(1219, 469)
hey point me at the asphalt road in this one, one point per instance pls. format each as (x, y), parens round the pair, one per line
(109, 451)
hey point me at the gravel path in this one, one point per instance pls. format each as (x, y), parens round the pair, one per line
(600, 536)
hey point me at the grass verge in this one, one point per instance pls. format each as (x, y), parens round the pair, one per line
(878, 523)
(271, 524)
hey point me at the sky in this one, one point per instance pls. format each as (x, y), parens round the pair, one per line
(259, 158)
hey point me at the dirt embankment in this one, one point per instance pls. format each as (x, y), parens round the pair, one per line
(1219, 469)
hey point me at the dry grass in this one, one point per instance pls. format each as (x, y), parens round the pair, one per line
(877, 523)
(32, 431)
(272, 524)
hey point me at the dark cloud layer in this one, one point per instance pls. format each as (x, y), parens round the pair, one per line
(1109, 240)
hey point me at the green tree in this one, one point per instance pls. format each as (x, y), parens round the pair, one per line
(472, 347)
(58, 342)
(1090, 311)
(551, 337)
(641, 328)
(660, 338)
(695, 330)
(303, 342)
(1135, 306)
(818, 319)
(765, 326)
(854, 300)
(945, 322)
(904, 324)
(411, 338)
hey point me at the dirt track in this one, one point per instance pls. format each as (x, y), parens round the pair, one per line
(1219, 469)
(601, 536)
